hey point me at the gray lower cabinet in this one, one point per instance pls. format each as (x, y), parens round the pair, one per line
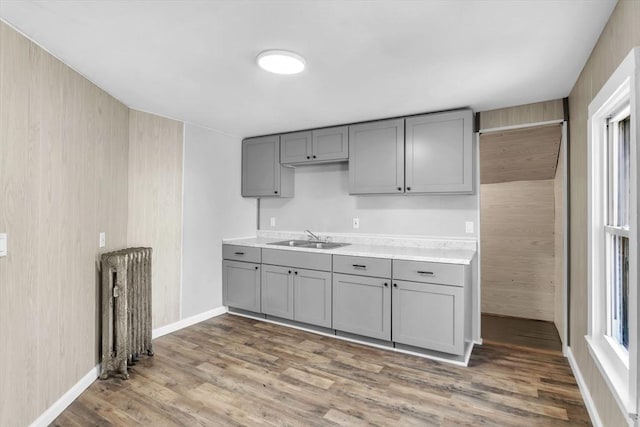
(262, 173)
(277, 291)
(429, 316)
(241, 285)
(362, 305)
(439, 156)
(312, 297)
(376, 157)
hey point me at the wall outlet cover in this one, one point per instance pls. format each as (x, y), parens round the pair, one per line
(3, 244)
(356, 223)
(272, 221)
(103, 239)
(468, 227)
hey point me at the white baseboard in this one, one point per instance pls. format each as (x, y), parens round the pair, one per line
(72, 394)
(180, 324)
(586, 395)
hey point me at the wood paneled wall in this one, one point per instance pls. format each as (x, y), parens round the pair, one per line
(621, 33)
(63, 179)
(522, 114)
(558, 244)
(155, 205)
(517, 249)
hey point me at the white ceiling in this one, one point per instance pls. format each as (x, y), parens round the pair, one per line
(195, 60)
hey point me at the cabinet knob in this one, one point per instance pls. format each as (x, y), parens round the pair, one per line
(314, 156)
(395, 285)
(296, 272)
(399, 188)
(289, 271)
(276, 192)
(386, 284)
(308, 157)
(257, 267)
(408, 188)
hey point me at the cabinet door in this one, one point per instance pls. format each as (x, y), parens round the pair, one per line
(362, 305)
(439, 153)
(295, 147)
(277, 291)
(312, 297)
(241, 285)
(429, 316)
(261, 166)
(376, 157)
(330, 144)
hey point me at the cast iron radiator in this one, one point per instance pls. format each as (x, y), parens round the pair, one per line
(126, 309)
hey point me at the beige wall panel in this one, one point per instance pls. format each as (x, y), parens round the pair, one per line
(621, 33)
(155, 205)
(63, 169)
(522, 114)
(519, 155)
(517, 249)
(558, 239)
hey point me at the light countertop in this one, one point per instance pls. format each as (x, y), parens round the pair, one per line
(434, 253)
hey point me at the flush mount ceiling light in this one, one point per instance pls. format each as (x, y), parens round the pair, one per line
(281, 62)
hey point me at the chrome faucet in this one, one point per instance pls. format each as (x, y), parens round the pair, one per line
(312, 236)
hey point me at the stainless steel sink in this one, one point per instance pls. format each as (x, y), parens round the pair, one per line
(309, 244)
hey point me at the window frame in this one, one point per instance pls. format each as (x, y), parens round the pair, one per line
(618, 366)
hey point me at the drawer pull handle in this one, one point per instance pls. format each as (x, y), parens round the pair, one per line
(427, 273)
(238, 253)
(360, 266)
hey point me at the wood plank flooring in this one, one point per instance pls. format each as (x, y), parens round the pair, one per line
(516, 331)
(237, 371)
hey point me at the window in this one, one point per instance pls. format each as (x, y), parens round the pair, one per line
(616, 229)
(613, 232)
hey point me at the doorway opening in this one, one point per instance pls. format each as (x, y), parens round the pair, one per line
(522, 244)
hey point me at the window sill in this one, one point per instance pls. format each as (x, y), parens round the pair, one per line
(608, 364)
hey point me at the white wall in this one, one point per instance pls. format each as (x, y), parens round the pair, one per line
(322, 203)
(213, 210)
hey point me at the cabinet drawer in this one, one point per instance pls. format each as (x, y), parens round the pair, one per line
(430, 272)
(297, 259)
(362, 266)
(241, 253)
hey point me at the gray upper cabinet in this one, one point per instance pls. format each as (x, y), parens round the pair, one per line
(439, 156)
(277, 291)
(295, 147)
(330, 144)
(241, 285)
(429, 316)
(376, 157)
(318, 146)
(262, 174)
(312, 297)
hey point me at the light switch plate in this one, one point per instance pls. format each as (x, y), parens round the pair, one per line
(3, 244)
(272, 221)
(103, 239)
(468, 226)
(356, 223)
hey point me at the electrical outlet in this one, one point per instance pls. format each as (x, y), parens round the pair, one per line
(356, 223)
(272, 221)
(103, 239)
(3, 244)
(468, 226)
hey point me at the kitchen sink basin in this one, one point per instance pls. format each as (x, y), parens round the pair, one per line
(309, 244)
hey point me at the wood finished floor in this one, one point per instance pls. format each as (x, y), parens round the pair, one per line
(516, 331)
(236, 371)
